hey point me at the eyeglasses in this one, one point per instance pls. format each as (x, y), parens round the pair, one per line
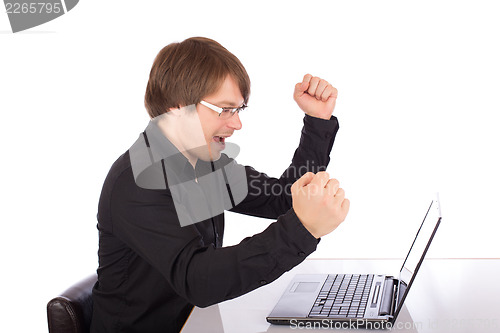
(224, 112)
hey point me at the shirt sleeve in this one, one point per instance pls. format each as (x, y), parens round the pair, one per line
(146, 221)
(270, 197)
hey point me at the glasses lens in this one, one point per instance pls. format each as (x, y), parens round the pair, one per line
(229, 112)
(226, 113)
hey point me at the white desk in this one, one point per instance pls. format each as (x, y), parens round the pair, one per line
(448, 295)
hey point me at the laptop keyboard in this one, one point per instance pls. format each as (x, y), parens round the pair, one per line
(343, 295)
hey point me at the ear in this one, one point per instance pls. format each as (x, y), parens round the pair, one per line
(174, 112)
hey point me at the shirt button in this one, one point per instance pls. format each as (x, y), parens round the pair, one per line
(301, 254)
(263, 282)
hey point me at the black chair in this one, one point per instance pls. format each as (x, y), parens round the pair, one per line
(71, 311)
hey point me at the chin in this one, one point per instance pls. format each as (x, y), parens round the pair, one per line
(212, 157)
(216, 157)
(210, 154)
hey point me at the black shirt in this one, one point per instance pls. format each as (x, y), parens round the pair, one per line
(152, 271)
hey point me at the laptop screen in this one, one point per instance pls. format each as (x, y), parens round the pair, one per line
(417, 251)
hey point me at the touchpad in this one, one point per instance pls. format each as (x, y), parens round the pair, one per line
(304, 287)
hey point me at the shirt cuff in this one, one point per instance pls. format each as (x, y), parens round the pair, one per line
(319, 133)
(304, 242)
(325, 129)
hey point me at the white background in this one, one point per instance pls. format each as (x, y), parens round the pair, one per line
(418, 109)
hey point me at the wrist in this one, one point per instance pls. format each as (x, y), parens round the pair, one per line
(324, 117)
(308, 227)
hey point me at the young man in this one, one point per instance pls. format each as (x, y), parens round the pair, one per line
(159, 254)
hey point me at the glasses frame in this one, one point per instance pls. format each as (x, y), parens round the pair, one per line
(220, 110)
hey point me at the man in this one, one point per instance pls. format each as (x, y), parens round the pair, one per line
(158, 258)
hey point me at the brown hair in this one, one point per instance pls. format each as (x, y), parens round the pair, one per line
(183, 73)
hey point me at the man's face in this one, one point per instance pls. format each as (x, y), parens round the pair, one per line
(216, 129)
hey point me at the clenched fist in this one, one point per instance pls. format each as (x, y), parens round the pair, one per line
(319, 203)
(315, 96)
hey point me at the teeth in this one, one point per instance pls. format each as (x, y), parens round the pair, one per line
(220, 139)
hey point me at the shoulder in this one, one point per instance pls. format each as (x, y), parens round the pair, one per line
(120, 189)
(120, 171)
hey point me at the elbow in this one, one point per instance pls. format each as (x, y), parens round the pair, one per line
(208, 296)
(199, 295)
(201, 301)
(204, 304)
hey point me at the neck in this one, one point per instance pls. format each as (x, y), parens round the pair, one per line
(170, 131)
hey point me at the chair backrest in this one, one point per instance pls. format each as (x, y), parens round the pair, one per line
(71, 312)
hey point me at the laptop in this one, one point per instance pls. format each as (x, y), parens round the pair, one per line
(368, 300)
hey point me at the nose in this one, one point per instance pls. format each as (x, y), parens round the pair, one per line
(234, 121)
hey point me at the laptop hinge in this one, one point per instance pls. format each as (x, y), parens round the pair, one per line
(388, 298)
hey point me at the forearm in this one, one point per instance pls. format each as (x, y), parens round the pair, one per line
(313, 152)
(214, 275)
(270, 197)
(187, 258)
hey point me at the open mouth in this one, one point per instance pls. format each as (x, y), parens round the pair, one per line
(219, 139)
